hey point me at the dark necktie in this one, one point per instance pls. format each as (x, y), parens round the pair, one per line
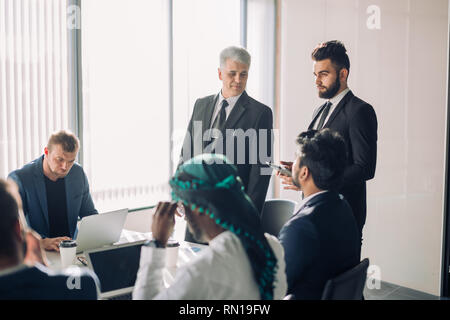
(221, 117)
(324, 115)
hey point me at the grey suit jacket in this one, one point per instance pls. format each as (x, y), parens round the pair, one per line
(30, 180)
(247, 141)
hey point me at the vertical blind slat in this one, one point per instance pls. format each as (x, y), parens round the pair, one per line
(25, 83)
(3, 105)
(33, 79)
(41, 116)
(18, 128)
(47, 68)
(10, 84)
(63, 63)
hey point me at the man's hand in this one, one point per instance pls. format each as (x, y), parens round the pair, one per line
(287, 165)
(287, 181)
(34, 254)
(163, 221)
(52, 244)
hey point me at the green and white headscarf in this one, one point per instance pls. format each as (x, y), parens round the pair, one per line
(211, 184)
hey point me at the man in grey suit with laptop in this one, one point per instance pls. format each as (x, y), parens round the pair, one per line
(235, 125)
(55, 190)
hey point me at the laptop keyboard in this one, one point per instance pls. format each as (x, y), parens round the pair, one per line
(126, 296)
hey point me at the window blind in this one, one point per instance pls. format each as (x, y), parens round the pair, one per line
(33, 78)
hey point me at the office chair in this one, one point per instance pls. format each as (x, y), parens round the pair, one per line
(275, 213)
(348, 285)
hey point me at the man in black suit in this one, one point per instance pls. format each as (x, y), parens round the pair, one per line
(234, 124)
(321, 240)
(23, 274)
(354, 119)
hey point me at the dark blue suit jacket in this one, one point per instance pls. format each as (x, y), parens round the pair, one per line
(320, 242)
(30, 180)
(41, 283)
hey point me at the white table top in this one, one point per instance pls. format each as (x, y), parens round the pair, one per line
(186, 253)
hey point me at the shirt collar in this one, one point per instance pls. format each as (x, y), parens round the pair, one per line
(305, 201)
(337, 98)
(231, 100)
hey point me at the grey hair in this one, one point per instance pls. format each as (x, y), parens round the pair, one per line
(235, 54)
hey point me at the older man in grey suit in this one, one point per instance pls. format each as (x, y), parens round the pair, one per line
(234, 124)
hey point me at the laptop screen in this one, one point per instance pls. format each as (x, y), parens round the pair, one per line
(116, 268)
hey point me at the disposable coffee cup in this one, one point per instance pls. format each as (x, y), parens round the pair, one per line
(67, 250)
(172, 253)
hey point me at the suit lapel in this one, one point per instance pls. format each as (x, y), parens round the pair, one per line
(209, 111)
(338, 108)
(206, 120)
(39, 185)
(316, 115)
(237, 112)
(72, 215)
(323, 197)
(335, 112)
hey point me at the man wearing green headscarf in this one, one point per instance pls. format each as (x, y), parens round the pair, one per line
(241, 262)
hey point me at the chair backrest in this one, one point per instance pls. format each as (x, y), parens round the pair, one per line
(348, 285)
(275, 213)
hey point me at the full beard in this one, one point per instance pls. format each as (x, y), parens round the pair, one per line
(296, 182)
(331, 91)
(197, 233)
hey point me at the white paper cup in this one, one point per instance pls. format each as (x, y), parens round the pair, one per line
(67, 251)
(172, 253)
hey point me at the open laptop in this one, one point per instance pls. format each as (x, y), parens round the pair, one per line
(116, 268)
(102, 229)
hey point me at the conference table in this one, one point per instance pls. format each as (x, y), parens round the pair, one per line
(187, 252)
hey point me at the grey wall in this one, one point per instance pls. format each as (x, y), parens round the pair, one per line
(401, 69)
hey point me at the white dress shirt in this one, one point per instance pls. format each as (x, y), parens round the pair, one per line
(334, 102)
(221, 271)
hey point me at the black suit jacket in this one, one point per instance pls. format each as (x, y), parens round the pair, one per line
(356, 121)
(256, 149)
(320, 242)
(40, 283)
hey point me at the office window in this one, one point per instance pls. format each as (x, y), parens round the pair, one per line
(33, 78)
(201, 29)
(261, 44)
(127, 82)
(125, 101)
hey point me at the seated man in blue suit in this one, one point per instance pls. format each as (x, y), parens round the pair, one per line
(22, 273)
(321, 240)
(55, 191)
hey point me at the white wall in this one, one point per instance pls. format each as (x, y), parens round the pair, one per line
(401, 69)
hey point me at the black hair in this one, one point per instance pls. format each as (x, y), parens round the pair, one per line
(9, 215)
(333, 50)
(324, 154)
